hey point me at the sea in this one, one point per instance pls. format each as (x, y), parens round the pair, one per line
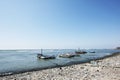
(17, 61)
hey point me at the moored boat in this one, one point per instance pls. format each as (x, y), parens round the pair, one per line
(66, 55)
(80, 52)
(41, 56)
(92, 51)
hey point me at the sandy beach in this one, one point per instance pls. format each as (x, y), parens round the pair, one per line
(104, 69)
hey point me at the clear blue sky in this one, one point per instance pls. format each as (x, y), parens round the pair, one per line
(59, 24)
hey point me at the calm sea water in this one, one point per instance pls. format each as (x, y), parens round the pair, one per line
(12, 61)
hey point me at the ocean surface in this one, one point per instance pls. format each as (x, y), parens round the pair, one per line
(15, 61)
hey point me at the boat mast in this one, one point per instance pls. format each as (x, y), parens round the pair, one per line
(41, 51)
(79, 49)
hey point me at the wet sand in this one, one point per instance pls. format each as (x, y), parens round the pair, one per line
(107, 68)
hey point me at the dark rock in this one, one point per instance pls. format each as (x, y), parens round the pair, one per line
(82, 67)
(97, 70)
(24, 79)
(60, 68)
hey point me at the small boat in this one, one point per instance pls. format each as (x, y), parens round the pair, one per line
(80, 52)
(41, 56)
(118, 48)
(92, 52)
(67, 55)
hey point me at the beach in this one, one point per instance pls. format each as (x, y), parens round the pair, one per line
(107, 68)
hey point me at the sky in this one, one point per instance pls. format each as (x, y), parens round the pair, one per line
(59, 24)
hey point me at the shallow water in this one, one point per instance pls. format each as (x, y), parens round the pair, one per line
(24, 60)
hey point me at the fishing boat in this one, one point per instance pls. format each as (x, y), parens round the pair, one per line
(118, 48)
(92, 51)
(41, 56)
(80, 51)
(66, 55)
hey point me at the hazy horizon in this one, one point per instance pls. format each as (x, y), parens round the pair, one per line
(59, 24)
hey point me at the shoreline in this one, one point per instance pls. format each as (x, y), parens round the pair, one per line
(93, 62)
(57, 66)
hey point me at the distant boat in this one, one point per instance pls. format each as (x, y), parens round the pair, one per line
(41, 56)
(118, 48)
(66, 55)
(92, 51)
(80, 52)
